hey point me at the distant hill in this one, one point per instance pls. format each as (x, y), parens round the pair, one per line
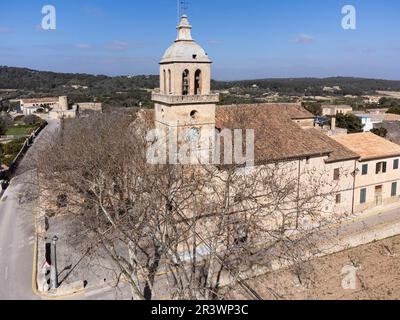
(314, 86)
(112, 91)
(27, 79)
(126, 91)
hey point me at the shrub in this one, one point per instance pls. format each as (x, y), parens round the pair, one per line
(19, 118)
(352, 123)
(394, 110)
(3, 128)
(13, 147)
(382, 132)
(32, 119)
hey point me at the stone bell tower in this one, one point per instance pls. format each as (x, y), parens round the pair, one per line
(184, 103)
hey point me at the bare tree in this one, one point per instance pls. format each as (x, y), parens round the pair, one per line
(185, 232)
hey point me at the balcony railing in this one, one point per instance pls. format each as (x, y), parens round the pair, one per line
(175, 99)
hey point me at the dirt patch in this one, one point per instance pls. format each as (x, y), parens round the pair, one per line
(377, 273)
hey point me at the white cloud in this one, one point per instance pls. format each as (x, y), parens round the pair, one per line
(215, 42)
(83, 46)
(117, 46)
(304, 38)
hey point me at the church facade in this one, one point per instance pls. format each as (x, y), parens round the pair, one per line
(360, 172)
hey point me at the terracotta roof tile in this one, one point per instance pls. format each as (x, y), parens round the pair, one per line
(339, 151)
(277, 137)
(369, 146)
(40, 100)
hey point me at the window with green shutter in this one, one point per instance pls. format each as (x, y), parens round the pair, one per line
(394, 189)
(381, 167)
(396, 164)
(365, 169)
(363, 195)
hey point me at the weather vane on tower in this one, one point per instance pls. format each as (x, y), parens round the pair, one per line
(182, 8)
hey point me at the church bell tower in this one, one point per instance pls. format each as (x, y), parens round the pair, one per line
(184, 102)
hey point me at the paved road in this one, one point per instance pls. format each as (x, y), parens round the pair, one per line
(17, 229)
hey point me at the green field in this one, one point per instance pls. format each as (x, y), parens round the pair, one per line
(10, 150)
(20, 130)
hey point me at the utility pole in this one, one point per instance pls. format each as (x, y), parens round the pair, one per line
(53, 267)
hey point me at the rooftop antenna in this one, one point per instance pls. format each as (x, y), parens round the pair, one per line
(182, 8)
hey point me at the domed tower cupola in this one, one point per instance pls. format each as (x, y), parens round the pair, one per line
(184, 100)
(185, 68)
(184, 30)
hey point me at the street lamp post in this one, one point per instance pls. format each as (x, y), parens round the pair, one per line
(53, 268)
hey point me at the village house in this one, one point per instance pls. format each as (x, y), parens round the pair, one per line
(31, 106)
(371, 120)
(377, 171)
(333, 110)
(57, 107)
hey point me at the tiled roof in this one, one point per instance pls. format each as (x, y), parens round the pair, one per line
(293, 110)
(337, 106)
(369, 146)
(277, 137)
(339, 151)
(40, 100)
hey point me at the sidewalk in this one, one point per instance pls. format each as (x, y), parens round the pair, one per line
(375, 211)
(81, 273)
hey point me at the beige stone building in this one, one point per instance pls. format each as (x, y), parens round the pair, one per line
(57, 107)
(359, 171)
(61, 110)
(30, 106)
(88, 106)
(333, 110)
(377, 171)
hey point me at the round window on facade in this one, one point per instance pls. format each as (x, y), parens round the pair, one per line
(194, 114)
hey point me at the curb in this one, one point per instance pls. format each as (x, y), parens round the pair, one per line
(38, 256)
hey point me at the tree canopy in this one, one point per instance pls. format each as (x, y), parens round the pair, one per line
(350, 122)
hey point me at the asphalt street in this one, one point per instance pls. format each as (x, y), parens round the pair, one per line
(17, 228)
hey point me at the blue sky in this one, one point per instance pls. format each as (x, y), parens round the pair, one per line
(245, 39)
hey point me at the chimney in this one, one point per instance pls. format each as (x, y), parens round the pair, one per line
(333, 123)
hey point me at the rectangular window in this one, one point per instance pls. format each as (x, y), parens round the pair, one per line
(336, 174)
(338, 198)
(396, 164)
(364, 169)
(381, 167)
(378, 168)
(363, 195)
(394, 189)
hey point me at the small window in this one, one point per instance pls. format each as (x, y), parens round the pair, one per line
(194, 114)
(394, 189)
(336, 174)
(381, 167)
(363, 195)
(195, 56)
(396, 164)
(365, 169)
(338, 198)
(185, 83)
